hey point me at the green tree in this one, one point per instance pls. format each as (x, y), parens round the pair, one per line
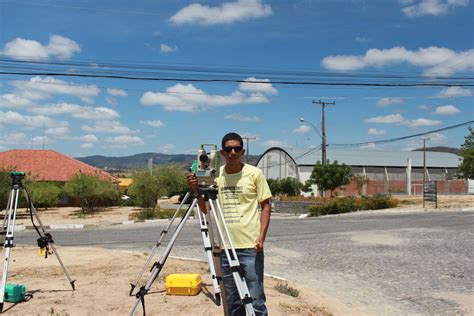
(466, 168)
(274, 185)
(90, 190)
(165, 180)
(5, 188)
(44, 194)
(290, 186)
(329, 176)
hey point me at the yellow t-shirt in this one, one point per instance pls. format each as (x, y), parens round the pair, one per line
(240, 195)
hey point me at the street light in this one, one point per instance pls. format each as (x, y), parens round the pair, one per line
(312, 125)
(323, 145)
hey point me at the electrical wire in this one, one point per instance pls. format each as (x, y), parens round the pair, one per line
(403, 137)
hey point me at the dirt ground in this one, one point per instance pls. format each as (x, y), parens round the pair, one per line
(103, 276)
(103, 283)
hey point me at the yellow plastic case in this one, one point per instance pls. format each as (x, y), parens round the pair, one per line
(183, 284)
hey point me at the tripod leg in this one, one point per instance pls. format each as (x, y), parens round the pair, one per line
(208, 248)
(216, 252)
(159, 265)
(49, 240)
(155, 248)
(10, 228)
(232, 258)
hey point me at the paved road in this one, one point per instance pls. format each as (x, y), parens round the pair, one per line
(374, 263)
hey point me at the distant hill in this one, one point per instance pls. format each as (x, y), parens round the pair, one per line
(442, 149)
(140, 161)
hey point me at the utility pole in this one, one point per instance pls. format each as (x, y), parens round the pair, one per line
(323, 128)
(424, 168)
(247, 138)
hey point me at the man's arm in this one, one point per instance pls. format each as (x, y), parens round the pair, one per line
(193, 185)
(264, 224)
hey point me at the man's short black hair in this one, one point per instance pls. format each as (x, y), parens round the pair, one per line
(232, 136)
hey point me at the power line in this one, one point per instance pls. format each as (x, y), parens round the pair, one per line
(403, 137)
(277, 82)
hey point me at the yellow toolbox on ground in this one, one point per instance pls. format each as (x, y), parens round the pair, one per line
(183, 284)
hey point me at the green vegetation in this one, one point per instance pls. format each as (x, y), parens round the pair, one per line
(351, 204)
(286, 289)
(288, 186)
(155, 214)
(44, 194)
(360, 181)
(90, 191)
(165, 180)
(5, 188)
(466, 168)
(329, 176)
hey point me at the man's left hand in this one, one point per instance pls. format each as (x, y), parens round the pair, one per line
(259, 246)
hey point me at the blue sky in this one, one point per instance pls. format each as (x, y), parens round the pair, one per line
(254, 40)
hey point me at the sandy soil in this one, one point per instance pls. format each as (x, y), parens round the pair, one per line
(103, 276)
(102, 286)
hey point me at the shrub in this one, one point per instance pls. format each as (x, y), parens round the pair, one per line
(44, 194)
(288, 186)
(284, 288)
(166, 180)
(90, 190)
(351, 204)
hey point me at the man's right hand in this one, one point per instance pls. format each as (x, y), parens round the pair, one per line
(192, 182)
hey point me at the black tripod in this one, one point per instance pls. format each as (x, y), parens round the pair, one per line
(45, 241)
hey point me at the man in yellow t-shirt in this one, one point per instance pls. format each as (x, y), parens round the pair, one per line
(242, 189)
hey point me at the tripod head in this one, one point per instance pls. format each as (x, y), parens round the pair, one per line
(17, 177)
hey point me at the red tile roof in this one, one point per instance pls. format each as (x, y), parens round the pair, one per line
(46, 165)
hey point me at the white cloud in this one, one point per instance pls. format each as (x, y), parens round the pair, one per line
(187, 98)
(166, 49)
(369, 146)
(434, 139)
(388, 119)
(226, 13)
(155, 123)
(421, 122)
(11, 100)
(375, 131)
(446, 110)
(38, 88)
(112, 127)
(166, 148)
(275, 143)
(361, 39)
(383, 102)
(87, 145)
(433, 7)
(117, 92)
(89, 138)
(78, 111)
(58, 46)
(14, 139)
(58, 132)
(263, 86)
(437, 60)
(238, 117)
(124, 141)
(111, 101)
(424, 107)
(29, 121)
(452, 92)
(303, 129)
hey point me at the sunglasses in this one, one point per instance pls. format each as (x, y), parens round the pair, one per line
(228, 149)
